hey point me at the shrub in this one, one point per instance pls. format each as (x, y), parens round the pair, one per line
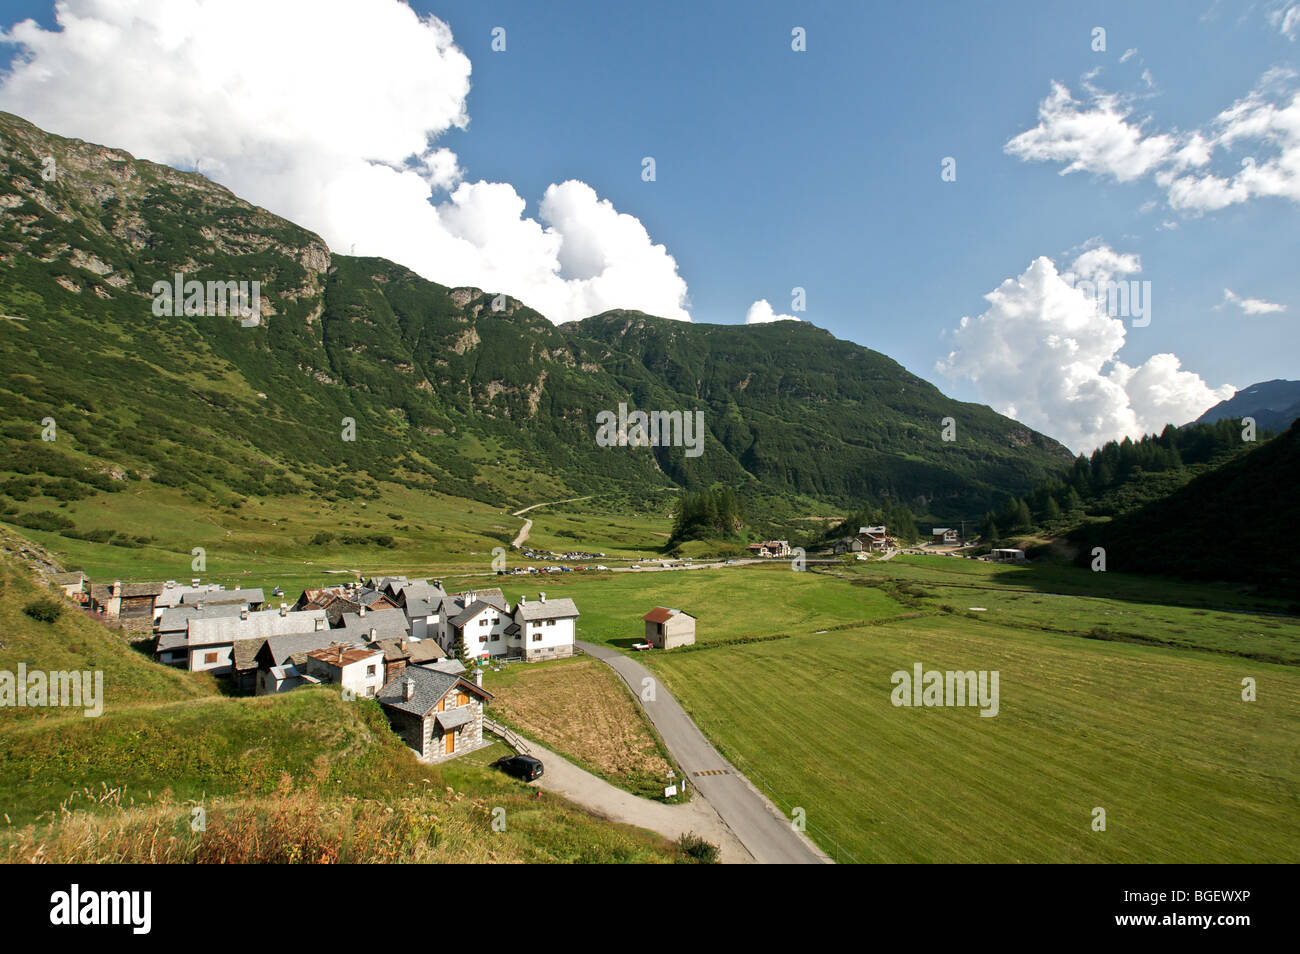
(696, 850)
(43, 610)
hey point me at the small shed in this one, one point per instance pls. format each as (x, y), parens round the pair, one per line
(667, 628)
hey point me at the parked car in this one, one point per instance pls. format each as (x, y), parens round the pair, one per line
(523, 767)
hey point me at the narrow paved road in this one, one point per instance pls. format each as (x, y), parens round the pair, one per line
(605, 800)
(764, 831)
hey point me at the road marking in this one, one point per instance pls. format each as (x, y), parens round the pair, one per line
(711, 772)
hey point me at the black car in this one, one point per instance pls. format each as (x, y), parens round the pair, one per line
(523, 767)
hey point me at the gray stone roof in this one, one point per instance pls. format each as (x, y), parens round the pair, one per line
(453, 718)
(294, 647)
(67, 579)
(551, 609)
(452, 667)
(478, 606)
(387, 623)
(253, 596)
(260, 624)
(175, 619)
(430, 686)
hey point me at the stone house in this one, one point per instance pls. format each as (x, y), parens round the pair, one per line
(667, 628)
(438, 714)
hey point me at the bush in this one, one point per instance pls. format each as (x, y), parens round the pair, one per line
(697, 850)
(43, 610)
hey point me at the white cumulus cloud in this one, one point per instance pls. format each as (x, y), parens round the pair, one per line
(1256, 142)
(327, 114)
(761, 312)
(1046, 353)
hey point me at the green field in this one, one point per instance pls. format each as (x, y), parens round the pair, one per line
(1158, 736)
(740, 602)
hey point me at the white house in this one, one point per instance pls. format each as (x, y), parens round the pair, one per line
(356, 669)
(480, 628)
(543, 630)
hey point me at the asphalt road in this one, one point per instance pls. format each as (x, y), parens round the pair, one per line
(764, 831)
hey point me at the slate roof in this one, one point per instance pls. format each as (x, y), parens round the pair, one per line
(430, 686)
(492, 595)
(175, 619)
(387, 624)
(171, 595)
(454, 718)
(103, 591)
(478, 606)
(550, 609)
(67, 579)
(452, 667)
(369, 598)
(260, 624)
(293, 648)
(253, 596)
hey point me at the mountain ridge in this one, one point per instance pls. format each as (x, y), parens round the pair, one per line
(447, 391)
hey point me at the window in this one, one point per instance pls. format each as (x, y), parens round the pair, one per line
(370, 670)
(209, 658)
(550, 622)
(537, 637)
(484, 621)
(496, 621)
(496, 637)
(483, 638)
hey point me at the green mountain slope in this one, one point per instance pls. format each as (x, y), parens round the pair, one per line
(1231, 523)
(440, 392)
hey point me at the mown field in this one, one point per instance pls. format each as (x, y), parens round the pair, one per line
(579, 708)
(1158, 736)
(1185, 770)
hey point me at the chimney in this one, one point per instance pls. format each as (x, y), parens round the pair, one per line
(408, 692)
(374, 633)
(320, 625)
(199, 606)
(243, 614)
(363, 611)
(478, 678)
(542, 597)
(523, 600)
(284, 610)
(117, 588)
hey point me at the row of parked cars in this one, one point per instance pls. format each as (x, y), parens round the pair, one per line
(524, 570)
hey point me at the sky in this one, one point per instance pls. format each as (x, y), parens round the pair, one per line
(956, 185)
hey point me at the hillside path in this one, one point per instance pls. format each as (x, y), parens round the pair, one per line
(519, 539)
(764, 831)
(607, 801)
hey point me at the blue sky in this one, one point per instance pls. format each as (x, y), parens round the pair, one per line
(821, 169)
